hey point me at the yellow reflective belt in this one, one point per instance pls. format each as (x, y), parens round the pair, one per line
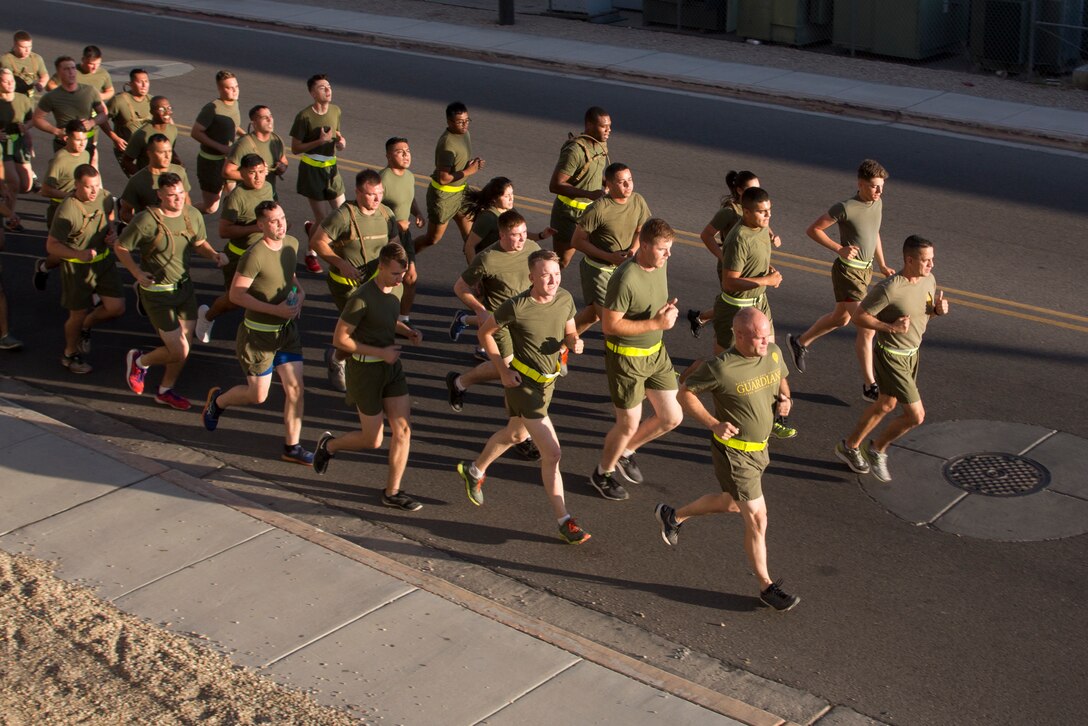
(317, 160)
(160, 287)
(575, 203)
(367, 358)
(91, 133)
(535, 375)
(897, 351)
(58, 201)
(857, 264)
(593, 262)
(631, 351)
(740, 302)
(264, 327)
(740, 445)
(343, 280)
(235, 249)
(211, 157)
(100, 256)
(447, 188)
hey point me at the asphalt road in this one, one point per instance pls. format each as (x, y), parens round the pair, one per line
(906, 624)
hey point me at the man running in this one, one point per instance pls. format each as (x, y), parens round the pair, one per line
(73, 100)
(859, 230)
(261, 140)
(16, 114)
(637, 310)
(539, 321)
(215, 129)
(316, 137)
(453, 164)
(897, 309)
(268, 340)
(89, 72)
(29, 68)
(745, 382)
(376, 383)
(142, 189)
(578, 178)
(82, 234)
(161, 122)
(165, 236)
(400, 196)
(60, 180)
(7, 340)
(129, 110)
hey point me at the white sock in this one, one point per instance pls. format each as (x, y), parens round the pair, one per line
(163, 389)
(458, 386)
(476, 473)
(628, 452)
(563, 519)
(403, 318)
(140, 364)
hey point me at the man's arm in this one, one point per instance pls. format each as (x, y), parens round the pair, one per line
(200, 135)
(342, 340)
(509, 377)
(580, 241)
(229, 230)
(733, 282)
(694, 408)
(466, 295)
(298, 146)
(613, 322)
(863, 319)
(240, 296)
(446, 174)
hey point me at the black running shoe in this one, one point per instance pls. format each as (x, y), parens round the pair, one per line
(778, 598)
(400, 500)
(41, 275)
(527, 449)
(607, 486)
(321, 453)
(695, 323)
(670, 528)
(797, 352)
(629, 468)
(456, 395)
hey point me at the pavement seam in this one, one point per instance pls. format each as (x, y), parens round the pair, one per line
(527, 691)
(1039, 442)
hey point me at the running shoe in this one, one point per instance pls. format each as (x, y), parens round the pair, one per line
(782, 430)
(313, 265)
(335, 369)
(84, 341)
(308, 225)
(607, 486)
(458, 325)
(173, 400)
(571, 533)
(400, 500)
(797, 352)
(297, 455)
(10, 342)
(134, 374)
(878, 462)
(212, 411)
(870, 392)
(695, 322)
(473, 487)
(629, 468)
(564, 369)
(321, 453)
(75, 364)
(853, 458)
(203, 325)
(670, 528)
(14, 225)
(777, 598)
(481, 355)
(41, 275)
(456, 395)
(527, 450)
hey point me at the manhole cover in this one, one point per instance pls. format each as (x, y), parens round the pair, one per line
(996, 475)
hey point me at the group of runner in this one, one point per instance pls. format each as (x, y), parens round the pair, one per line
(527, 324)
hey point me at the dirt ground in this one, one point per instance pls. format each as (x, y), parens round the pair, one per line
(67, 657)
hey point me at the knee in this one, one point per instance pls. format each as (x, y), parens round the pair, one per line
(916, 415)
(113, 307)
(672, 418)
(292, 391)
(401, 431)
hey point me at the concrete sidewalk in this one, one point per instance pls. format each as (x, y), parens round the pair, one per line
(916, 106)
(311, 610)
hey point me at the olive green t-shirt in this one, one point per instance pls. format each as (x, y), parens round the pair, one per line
(308, 124)
(240, 207)
(99, 80)
(573, 156)
(537, 329)
(400, 192)
(747, 250)
(137, 143)
(27, 70)
(62, 169)
(638, 294)
(859, 224)
(500, 274)
(358, 238)
(271, 151)
(895, 296)
(220, 121)
(19, 110)
(611, 226)
(83, 225)
(486, 227)
(744, 389)
(141, 191)
(726, 218)
(373, 313)
(68, 105)
(127, 114)
(452, 152)
(273, 275)
(165, 243)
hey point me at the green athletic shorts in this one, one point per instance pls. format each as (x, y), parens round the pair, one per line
(166, 309)
(897, 375)
(369, 384)
(594, 282)
(529, 400)
(850, 284)
(256, 349)
(322, 183)
(739, 473)
(564, 221)
(630, 376)
(723, 319)
(79, 282)
(443, 206)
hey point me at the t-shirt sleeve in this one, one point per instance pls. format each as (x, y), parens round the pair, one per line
(702, 378)
(51, 175)
(133, 232)
(504, 314)
(837, 212)
(107, 81)
(475, 270)
(335, 225)
(354, 310)
(618, 296)
(206, 117)
(444, 157)
(184, 180)
(135, 146)
(724, 219)
(643, 211)
(61, 228)
(200, 229)
(129, 195)
(230, 210)
(876, 300)
(299, 128)
(571, 159)
(734, 255)
(250, 264)
(591, 220)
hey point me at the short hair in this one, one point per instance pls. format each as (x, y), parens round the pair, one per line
(312, 80)
(158, 139)
(74, 125)
(509, 219)
(871, 169)
(169, 179)
(753, 196)
(156, 100)
(613, 169)
(915, 243)
(7, 72)
(92, 51)
(655, 229)
(63, 59)
(221, 76)
(367, 176)
(594, 114)
(83, 171)
(134, 71)
(21, 36)
(455, 109)
(256, 110)
(393, 252)
(267, 205)
(543, 256)
(393, 141)
(250, 161)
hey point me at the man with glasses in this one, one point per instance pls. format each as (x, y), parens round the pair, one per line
(453, 165)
